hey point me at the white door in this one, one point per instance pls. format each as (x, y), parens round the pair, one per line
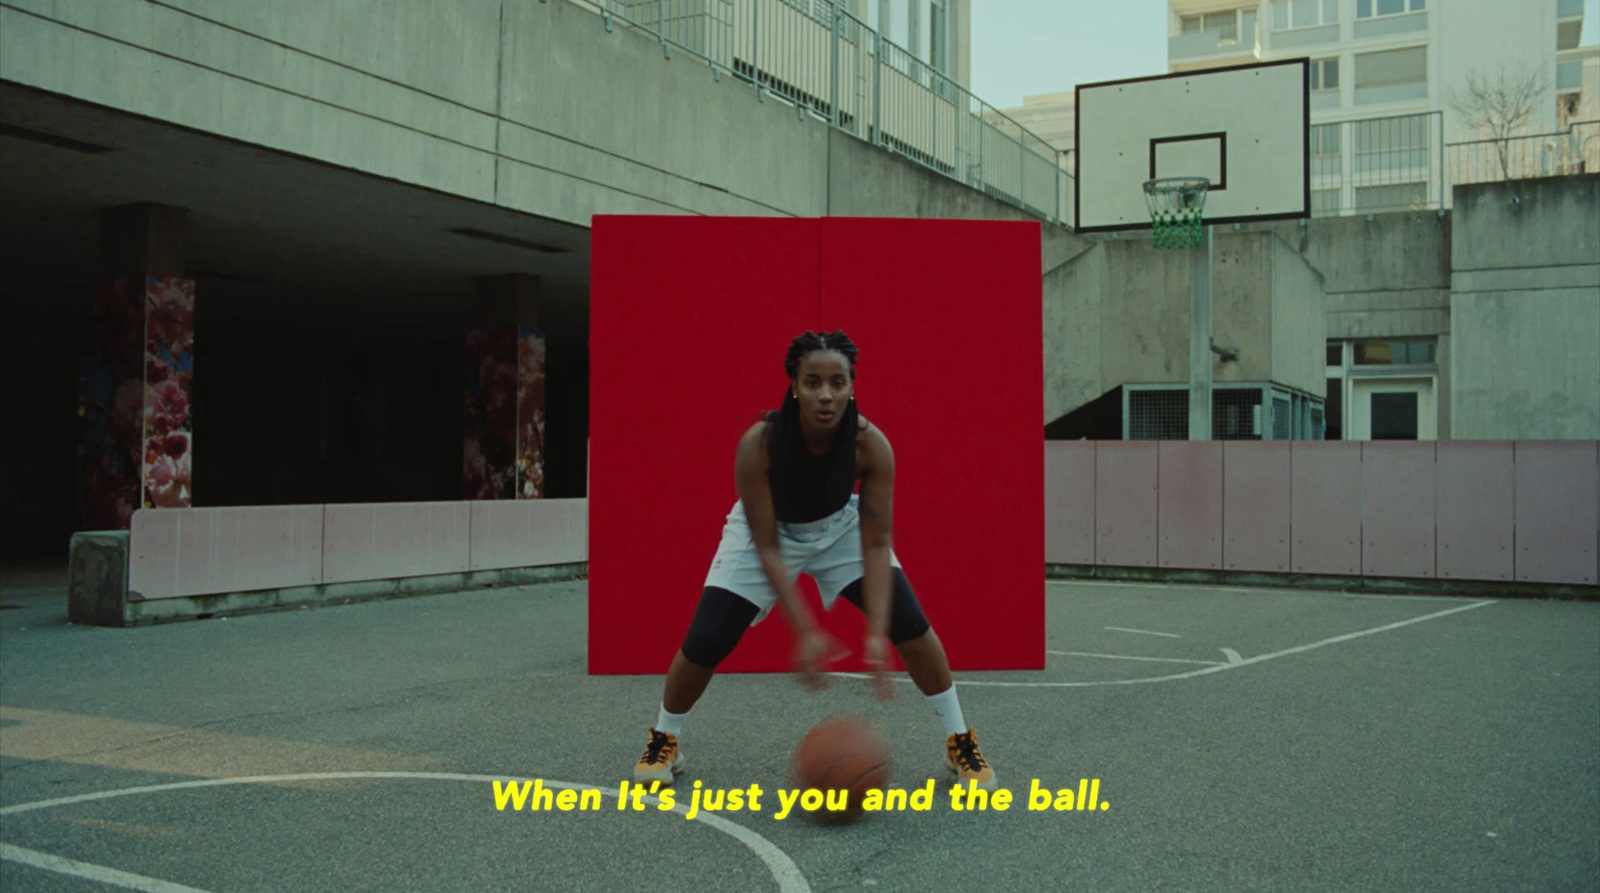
(1392, 409)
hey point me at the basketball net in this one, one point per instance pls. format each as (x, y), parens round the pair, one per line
(1176, 205)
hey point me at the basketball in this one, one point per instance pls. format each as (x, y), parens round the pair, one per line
(841, 754)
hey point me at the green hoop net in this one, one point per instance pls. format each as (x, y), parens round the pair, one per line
(1176, 205)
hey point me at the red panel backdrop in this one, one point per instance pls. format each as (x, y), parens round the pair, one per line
(690, 318)
(948, 316)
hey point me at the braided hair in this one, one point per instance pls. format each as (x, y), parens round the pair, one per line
(784, 441)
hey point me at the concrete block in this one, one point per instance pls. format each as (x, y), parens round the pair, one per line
(97, 577)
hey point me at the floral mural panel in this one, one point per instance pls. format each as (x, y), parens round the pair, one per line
(489, 466)
(168, 392)
(530, 413)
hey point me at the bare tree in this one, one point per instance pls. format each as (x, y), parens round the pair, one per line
(1499, 105)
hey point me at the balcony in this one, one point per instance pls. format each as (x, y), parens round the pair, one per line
(1383, 26)
(1301, 37)
(1219, 42)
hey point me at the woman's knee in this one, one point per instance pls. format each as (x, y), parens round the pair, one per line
(720, 620)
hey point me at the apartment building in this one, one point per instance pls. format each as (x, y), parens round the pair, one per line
(1389, 79)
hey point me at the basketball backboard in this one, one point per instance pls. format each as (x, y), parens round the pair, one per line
(1246, 129)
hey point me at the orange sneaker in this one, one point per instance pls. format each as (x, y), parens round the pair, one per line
(661, 761)
(962, 757)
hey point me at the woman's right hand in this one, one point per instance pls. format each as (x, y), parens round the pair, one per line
(813, 654)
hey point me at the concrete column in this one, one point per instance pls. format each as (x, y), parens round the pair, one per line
(137, 382)
(503, 446)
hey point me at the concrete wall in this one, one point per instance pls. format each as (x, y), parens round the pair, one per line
(1118, 313)
(1525, 309)
(1299, 321)
(1387, 277)
(1075, 304)
(533, 106)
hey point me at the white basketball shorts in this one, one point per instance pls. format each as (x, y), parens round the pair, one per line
(829, 550)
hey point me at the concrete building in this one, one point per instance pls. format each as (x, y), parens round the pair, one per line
(1389, 79)
(321, 202)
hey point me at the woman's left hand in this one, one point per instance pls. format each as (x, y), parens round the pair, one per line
(876, 651)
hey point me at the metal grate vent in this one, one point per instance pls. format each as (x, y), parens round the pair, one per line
(1236, 414)
(1158, 414)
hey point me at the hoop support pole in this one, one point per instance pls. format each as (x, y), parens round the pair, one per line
(1200, 340)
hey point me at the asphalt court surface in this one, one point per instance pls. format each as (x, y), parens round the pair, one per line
(1244, 739)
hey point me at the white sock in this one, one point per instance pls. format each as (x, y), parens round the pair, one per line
(947, 707)
(672, 723)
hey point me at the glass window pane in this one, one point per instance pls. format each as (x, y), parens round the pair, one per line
(1363, 9)
(1390, 7)
(1330, 74)
(1335, 353)
(1305, 13)
(1330, 11)
(1247, 25)
(1332, 415)
(1316, 76)
(1394, 416)
(1406, 66)
(1280, 15)
(1418, 5)
(1190, 24)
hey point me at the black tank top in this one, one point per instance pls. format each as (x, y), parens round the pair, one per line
(808, 487)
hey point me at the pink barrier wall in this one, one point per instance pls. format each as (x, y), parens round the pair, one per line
(1397, 509)
(1189, 504)
(201, 551)
(1556, 507)
(1464, 510)
(1476, 518)
(1255, 506)
(1069, 512)
(1324, 506)
(1125, 503)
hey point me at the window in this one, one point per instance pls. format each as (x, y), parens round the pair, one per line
(1325, 160)
(1567, 34)
(1392, 75)
(1228, 26)
(1288, 14)
(1395, 352)
(938, 38)
(1332, 417)
(1366, 9)
(1335, 353)
(1325, 74)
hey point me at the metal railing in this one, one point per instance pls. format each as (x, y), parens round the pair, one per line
(1575, 150)
(829, 64)
(1378, 164)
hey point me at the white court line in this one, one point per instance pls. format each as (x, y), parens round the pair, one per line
(1202, 672)
(97, 873)
(1142, 632)
(783, 869)
(1169, 660)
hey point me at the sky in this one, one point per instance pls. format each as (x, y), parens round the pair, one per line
(1028, 47)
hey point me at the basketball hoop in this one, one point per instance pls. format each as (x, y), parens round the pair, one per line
(1176, 204)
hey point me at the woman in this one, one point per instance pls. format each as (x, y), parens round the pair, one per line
(795, 471)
